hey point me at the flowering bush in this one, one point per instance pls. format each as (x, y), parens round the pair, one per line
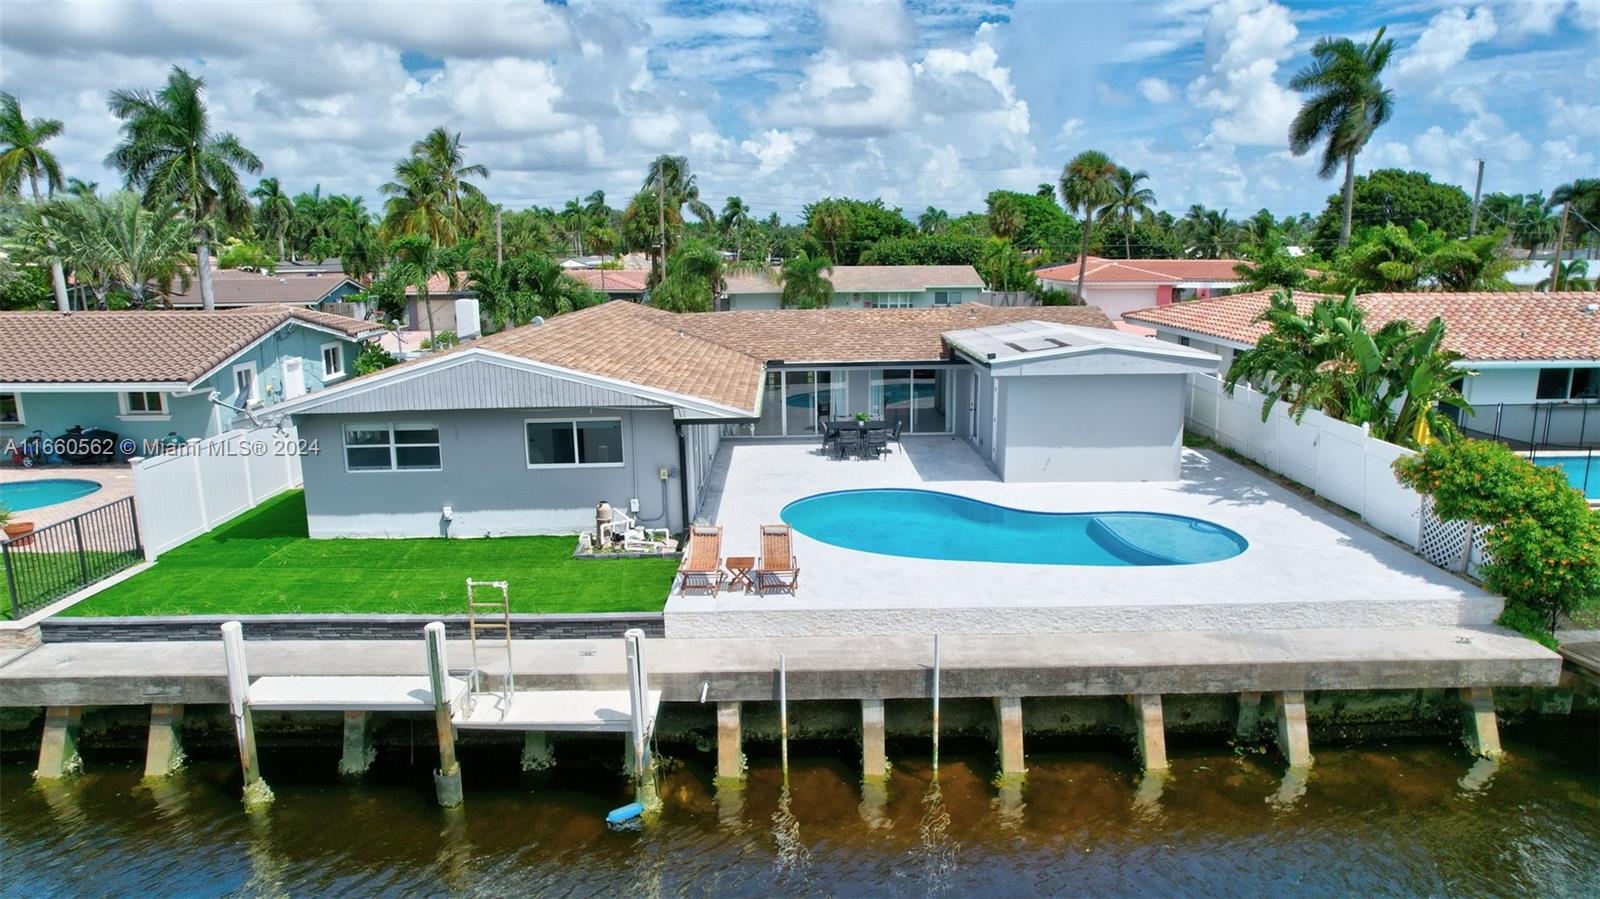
(1543, 537)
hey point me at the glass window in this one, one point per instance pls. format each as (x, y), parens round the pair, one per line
(831, 394)
(1553, 383)
(10, 409)
(1585, 383)
(581, 442)
(146, 403)
(332, 360)
(392, 447)
(771, 422)
(893, 301)
(244, 381)
(928, 399)
(799, 402)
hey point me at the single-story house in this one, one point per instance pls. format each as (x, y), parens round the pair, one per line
(1118, 286)
(150, 375)
(525, 431)
(442, 296)
(866, 287)
(234, 289)
(1529, 349)
(616, 284)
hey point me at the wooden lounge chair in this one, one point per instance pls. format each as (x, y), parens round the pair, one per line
(779, 570)
(701, 569)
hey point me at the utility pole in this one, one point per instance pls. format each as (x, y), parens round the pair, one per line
(1477, 193)
(1561, 241)
(661, 217)
(499, 244)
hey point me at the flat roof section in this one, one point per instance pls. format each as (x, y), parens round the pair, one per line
(1032, 340)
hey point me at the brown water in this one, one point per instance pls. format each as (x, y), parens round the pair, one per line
(1401, 818)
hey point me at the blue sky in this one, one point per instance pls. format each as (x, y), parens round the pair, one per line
(922, 103)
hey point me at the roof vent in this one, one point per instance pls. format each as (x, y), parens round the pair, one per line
(537, 321)
(1591, 309)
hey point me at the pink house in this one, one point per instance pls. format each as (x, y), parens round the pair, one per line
(1123, 285)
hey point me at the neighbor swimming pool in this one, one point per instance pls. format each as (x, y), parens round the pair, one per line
(1583, 472)
(924, 524)
(22, 495)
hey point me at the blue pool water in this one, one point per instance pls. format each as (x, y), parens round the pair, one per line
(924, 524)
(1583, 473)
(33, 494)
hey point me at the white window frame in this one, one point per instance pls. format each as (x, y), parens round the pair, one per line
(22, 415)
(126, 412)
(255, 384)
(391, 427)
(331, 376)
(621, 429)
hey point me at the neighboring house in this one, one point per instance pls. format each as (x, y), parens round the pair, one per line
(1528, 349)
(867, 287)
(147, 375)
(525, 431)
(442, 298)
(333, 266)
(234, 289)
(615, 284)
(1118, 286)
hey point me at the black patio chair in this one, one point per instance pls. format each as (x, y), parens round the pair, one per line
(849, 442)
(895, 434)
(877, 443)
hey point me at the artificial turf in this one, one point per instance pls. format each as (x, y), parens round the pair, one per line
(263, 563)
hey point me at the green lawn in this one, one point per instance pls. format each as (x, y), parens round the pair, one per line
(263, 563)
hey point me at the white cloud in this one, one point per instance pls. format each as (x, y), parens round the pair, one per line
(867, 28)
(1245, 42)
(1574, 117)
(1156, 91)
(1069, 130)
(1523, 18)
(1450, 35)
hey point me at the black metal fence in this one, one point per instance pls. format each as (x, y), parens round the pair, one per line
(62, 558)
(1536, 427)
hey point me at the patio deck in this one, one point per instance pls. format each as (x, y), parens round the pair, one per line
(1306, 567)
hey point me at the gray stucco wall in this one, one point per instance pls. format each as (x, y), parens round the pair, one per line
(485, 478)
(1092, 427)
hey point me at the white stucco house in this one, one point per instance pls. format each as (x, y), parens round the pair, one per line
(523, 432)
(866, 287)
(1536, 355)
(1118, 286)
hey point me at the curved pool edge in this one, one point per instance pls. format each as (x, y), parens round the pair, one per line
(52, 500)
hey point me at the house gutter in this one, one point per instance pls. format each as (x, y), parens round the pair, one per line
(683, 476)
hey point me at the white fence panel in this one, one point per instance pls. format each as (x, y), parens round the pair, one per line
(1336, 459)
(199, 485)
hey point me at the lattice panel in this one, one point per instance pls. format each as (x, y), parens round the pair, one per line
(1444, 541)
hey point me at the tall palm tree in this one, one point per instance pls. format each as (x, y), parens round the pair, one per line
(77, 187)
(734, 220)
(447, 154)
(169, 150)
(416, 261)
(1129, 203)
(805, 282)
(1584, 194)
(1088, 185)
(417, 204)
(828, 224)
(672, 185)
(1005, 217)
(575, 219)
(1347, 103)
(22, 153)
(274, 210)
(933, 220)
(1208, 233)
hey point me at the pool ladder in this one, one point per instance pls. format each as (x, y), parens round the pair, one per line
(501, 628)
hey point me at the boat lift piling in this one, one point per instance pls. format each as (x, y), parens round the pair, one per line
(936, 704)
(256, 791)
(783, 714)
(447, 778)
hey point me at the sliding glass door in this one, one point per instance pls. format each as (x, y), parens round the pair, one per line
(792, 401)
(917, 398)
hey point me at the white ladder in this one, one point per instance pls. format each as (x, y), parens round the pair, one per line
(489, 608)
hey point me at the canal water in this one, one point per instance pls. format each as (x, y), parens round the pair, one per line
(1402, 818)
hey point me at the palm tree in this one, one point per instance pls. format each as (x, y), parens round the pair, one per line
(116, 240)
(417, 204)
(734, 220)
(1208, 233)
(77, 187)
(416, 261)
(1583, 193)
(1005, 217)
(1129, 203)
(575, 220)
(274, 210)
(1087, 186)
(1574, 276)
(1347, 104)
(805, 282)
(828, 224)
(672, 185)
(445, 152)
(168, 149)
(22, 153)
(933, 220)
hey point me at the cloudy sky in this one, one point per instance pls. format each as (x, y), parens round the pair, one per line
(923, 102)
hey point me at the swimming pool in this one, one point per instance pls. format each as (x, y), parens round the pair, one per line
(1583, 472)
(924, 524)
(34, 494)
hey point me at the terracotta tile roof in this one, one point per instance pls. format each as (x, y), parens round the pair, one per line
(611, 280)
(871, 278)
(230, 287)
(439, 285)
(1143, 271)
(629, 342)
(140, 347)
(1483, 326)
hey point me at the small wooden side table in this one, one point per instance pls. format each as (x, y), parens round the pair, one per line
(740, 567)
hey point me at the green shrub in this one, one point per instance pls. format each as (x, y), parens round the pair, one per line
(1544, 539)
(373, 358)
(444, 340)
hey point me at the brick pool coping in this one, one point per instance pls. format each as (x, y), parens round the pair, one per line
(160, 628)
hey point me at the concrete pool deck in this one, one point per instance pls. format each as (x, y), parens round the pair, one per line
(1306, 567)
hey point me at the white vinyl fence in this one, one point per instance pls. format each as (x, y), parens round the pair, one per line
(202, 483)
(1340, 461)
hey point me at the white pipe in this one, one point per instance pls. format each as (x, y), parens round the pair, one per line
(238, 676)
(638, 696)
(783, 712)
(935, 702)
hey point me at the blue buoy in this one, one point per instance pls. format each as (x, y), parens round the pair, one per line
(626, 813)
